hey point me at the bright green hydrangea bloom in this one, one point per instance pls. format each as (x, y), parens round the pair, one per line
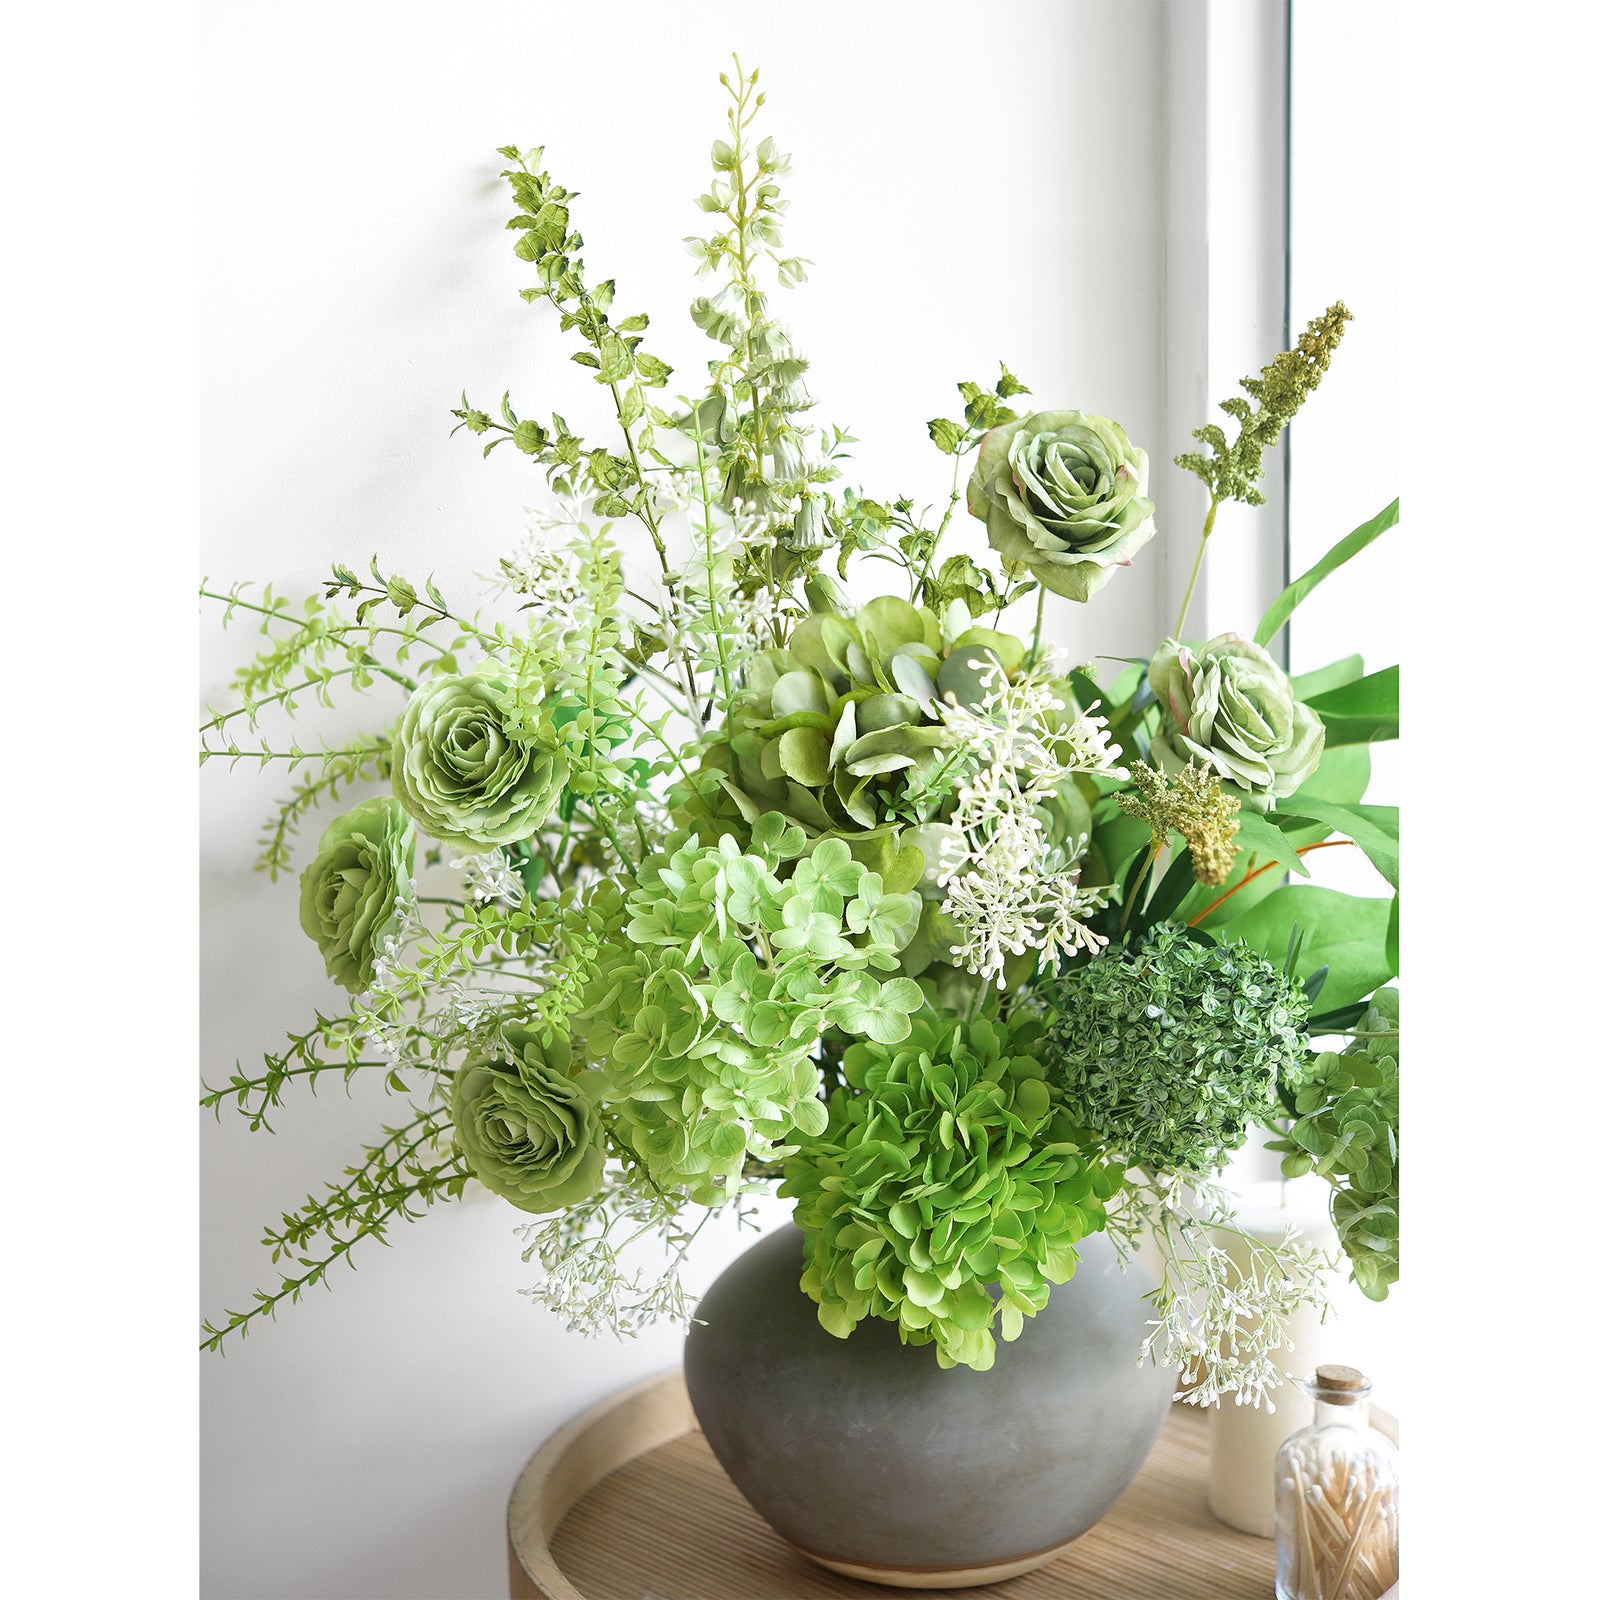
(354, 895)
(462, 774)
(1063, 493)
(527, 1129)
(1230, 705)
(1171, 1049)
(947, 1165)
(715, 982)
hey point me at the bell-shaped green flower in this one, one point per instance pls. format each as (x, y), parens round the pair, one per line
(354, 895)
(1229, 705)
(527, 1129)
(1063, 493)
(461, 773)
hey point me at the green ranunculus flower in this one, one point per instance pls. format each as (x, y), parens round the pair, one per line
(527, 1129)
(1230, 705)
(462, 775)
(1064, 494)
(353, 896)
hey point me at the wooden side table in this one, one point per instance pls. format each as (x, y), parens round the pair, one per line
(627, 1503)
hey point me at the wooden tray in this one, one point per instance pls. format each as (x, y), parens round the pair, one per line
(627, 1503)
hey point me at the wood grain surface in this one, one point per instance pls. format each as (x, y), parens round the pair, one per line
(668, 1525)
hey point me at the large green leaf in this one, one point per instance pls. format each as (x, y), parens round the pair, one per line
(1333, 676)
(1242, 895)
(1362, 712)
(1375, 828)
(1346, 933)
(1263, 837)
(1278, 612)
(1342, 774)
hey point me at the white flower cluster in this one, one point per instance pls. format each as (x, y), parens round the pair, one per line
(585, 1282)
(489, 877)
(547, 566)
(1009, 886)
(1221, 1314)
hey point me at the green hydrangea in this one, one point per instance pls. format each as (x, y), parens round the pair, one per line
(354, 895)
(714, 984)
(1347, 1130)
(1229, 705)
(1063, 493)
(948, 1164)
(527, 1129)
(831, 730)
(463, 774)
(1170, 1049)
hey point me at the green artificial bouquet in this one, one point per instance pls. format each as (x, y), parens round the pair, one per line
(739, 880)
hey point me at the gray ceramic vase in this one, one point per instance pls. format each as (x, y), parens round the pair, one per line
(873, 1460)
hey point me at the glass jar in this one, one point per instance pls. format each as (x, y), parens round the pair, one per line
(1338, 1498)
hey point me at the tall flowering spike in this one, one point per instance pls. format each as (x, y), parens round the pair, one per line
(1230, 471)
(1194, 804)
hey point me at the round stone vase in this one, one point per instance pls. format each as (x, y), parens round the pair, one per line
(872, 1460)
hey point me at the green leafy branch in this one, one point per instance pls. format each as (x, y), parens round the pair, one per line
(613, 353)
(255, 1095)
(961, 578)
(398, 1179)
(338, 773)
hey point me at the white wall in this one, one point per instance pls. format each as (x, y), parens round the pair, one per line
(971, 184)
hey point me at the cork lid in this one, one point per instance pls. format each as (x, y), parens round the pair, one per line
(1341, 1386)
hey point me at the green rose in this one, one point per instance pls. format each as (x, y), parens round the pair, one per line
(1063, 493)
(354, 895)
(527, 1129)
(462, 775)
(1231, 706)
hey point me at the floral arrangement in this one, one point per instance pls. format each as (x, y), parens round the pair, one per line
(736, 879)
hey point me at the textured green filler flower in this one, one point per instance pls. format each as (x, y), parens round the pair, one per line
(462, 774)
(947, 1165)
(1063, 493)
(528, 1130)
(1170, 1049)
(354, 894)
(1228, 704)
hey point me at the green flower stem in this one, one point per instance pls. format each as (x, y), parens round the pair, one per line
(919, 593)
(1250, 877)
(1156, 847)
(711, 592)
(1038, 627)
(1199, 556)
(604, 824)
(295, 757)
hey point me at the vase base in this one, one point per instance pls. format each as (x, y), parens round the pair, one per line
(895, 1577)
